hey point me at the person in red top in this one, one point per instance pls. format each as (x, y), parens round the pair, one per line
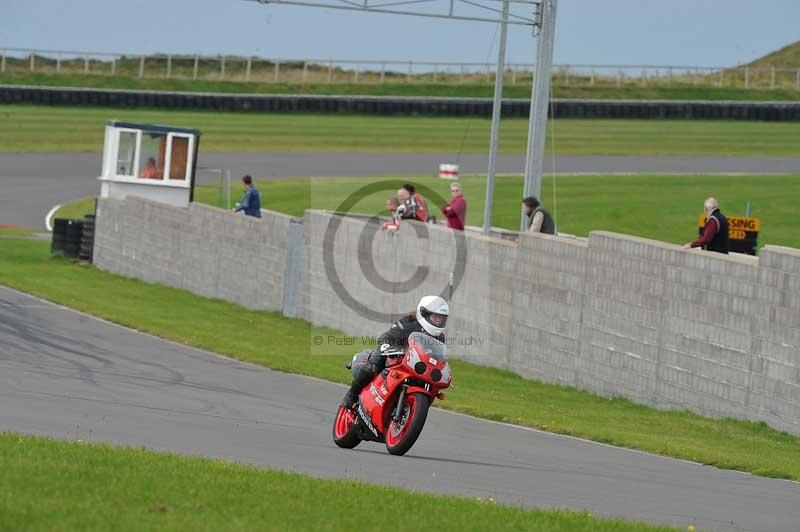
(456, 210)
(715, 230)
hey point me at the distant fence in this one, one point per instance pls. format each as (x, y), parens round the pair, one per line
(366, 71)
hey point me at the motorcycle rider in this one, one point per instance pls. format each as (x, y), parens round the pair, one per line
(429, 318)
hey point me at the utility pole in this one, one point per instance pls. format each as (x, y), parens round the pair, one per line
(497, 108)
(540, 99)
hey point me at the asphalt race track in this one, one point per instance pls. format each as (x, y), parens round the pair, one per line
(32, 183)
(68, 375)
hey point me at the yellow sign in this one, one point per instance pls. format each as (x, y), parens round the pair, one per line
(738, 226)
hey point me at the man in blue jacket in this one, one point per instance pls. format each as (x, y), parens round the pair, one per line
(251, 203)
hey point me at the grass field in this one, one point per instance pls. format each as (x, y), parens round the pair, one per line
(623, 204)
(470, 89)
(54, 486)
(285, 344)
(28, 128)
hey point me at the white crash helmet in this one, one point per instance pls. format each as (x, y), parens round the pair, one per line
(432, 305)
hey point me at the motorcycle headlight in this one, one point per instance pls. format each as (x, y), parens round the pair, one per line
(446, 373)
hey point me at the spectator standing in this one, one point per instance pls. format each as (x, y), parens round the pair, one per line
(715, 230)
(408, 207)
(540, 219)
(414, 203)
(456, 210)
(251, 202)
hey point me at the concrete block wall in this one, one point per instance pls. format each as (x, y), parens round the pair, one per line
(205, 250)
(617, 315)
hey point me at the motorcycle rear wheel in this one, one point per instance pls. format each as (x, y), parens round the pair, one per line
(400, 437)
(344, 429)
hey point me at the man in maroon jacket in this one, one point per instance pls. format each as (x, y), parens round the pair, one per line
(456, 210)
(715, 230)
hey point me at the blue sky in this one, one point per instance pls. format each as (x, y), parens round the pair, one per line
(660, 32)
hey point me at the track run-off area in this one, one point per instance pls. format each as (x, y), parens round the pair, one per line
(71, 376)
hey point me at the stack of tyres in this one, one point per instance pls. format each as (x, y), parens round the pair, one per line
(72, 245)
(59, 235)
(87, 239)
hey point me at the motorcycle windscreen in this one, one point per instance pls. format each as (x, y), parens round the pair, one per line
(429, 345)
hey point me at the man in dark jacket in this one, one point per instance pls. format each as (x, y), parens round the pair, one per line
(540, 219)
(715, 230)
(430, 318)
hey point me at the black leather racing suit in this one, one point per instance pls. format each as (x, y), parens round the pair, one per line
(367, 365)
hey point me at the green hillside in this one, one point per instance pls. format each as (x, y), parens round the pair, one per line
(788, 56)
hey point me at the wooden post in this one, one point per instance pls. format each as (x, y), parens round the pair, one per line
(33, 61)
(746, 78)
(141, 66)
(247, 69)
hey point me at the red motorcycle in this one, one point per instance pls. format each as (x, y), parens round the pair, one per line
(393, 408)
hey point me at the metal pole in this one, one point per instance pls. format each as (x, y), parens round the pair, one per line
(3, 62)
(305, 70)
(383, 72)
(247, 69)
(33, 61)
(497, 107)
(277, 71)
(169, 66)
(141, 66)
(85, 65)
(228, 188)
(330, 71)
(58, 63)
(194, 70)
(772, 78)
(113, 66)
(746, 78)
(222, 68)
(540, 98)
(721, 77)
(797, 80)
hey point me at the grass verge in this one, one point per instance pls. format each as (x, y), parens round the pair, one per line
(624, 204)
(30, 128)
(634, 91)
(51, 485)
(494, 394)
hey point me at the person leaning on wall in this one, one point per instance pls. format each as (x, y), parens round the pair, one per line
(539, 219)
(715, 230)
(455, 211)
(251, 202)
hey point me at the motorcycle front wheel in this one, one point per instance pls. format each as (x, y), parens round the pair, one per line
(344, 429)
(401, 435)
